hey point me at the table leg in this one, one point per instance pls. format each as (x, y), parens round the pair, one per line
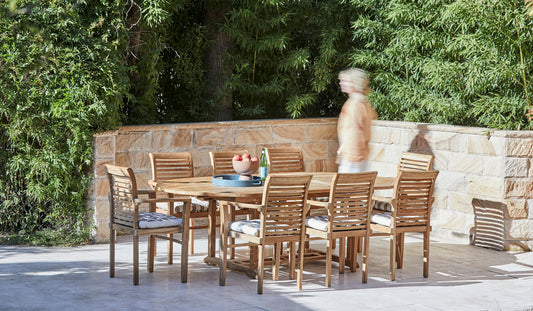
(212, 228)
(351, 253)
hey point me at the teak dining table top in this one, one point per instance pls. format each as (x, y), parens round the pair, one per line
(203, 187)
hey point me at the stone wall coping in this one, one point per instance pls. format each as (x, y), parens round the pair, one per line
(199, 125)
(266, 122)
(453, 128)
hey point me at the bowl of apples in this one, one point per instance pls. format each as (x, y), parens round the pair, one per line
(245, 165)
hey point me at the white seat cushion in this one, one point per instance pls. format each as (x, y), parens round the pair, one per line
(251, 227)
(200, 203)
(383, 219)
(197, 205)
(317, 222)
(321, 223)
(158, 220)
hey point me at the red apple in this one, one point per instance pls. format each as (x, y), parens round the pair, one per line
(237, 157)
(246, 156)
(254, 159)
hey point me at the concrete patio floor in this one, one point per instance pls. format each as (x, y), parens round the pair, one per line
(462, 277)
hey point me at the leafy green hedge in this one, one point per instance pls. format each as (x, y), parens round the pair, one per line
(61, 80)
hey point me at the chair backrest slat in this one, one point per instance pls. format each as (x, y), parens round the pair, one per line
(285, 159)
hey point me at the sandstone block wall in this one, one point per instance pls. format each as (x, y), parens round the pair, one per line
(478, 167)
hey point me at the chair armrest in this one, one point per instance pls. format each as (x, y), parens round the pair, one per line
(153, 201)
(174, 199)
(146, 192)
(242, 205)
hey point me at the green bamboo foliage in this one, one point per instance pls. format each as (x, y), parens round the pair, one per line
(452, 62)
(287, 56)
(62, 81)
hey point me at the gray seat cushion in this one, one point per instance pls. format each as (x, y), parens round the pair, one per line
(158, 220)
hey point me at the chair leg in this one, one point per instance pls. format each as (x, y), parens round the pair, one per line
(135, 259)
(151, 252)
(253, 257)
(223, 247)
(277, 259)
(232, 240)
(260, 269)
(365, 257)
(111, 253)
(329, 246)
(355, 243)
(170, 249)
(393, 256)
(399, 250)
(342, 254)
(301, 253)
(191, 237)
(184, 252)
(292, 260)
(426, 254)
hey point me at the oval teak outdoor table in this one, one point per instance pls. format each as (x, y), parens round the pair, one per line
(203, 188)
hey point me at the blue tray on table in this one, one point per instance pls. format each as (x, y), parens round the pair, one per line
(233, 181)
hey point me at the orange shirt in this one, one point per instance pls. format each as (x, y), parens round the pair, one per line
(354, 128)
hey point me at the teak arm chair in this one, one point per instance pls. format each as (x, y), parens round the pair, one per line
(348, 215)
(125, 216)
(172, 165)
(409, 161)
(222, 164)
(281, 219)
(411, 212)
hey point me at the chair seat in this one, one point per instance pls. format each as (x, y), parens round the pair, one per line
(383, 219)
(158, 220)
(251, 227)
